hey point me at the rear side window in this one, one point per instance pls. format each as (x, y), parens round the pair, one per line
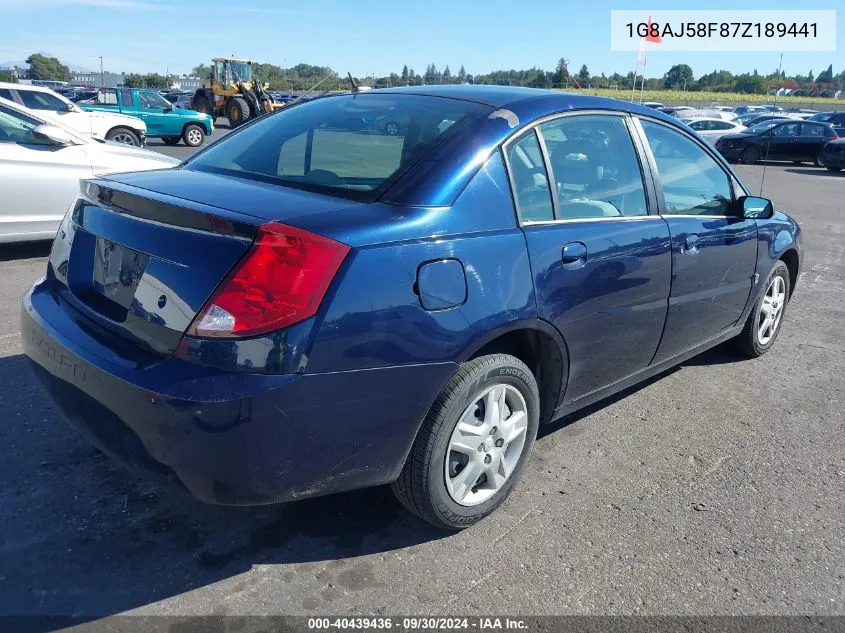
(107, 97)
(41, 101)
(351, 146)
(6, 94)
(808, 129)
(530, 180)
(693, 182)
(125, 97)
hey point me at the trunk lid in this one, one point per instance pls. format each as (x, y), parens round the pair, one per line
(141, 253)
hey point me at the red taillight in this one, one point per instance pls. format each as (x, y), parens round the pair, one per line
(281, 281)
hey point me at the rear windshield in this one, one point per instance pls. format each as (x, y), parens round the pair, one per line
(351, 146)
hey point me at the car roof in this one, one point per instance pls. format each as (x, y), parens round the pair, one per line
(4, 84)
(527, 103)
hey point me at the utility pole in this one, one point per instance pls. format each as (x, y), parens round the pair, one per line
(102, 74)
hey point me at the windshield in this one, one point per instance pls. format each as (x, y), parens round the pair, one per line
(352, 146)
(241, 71)
(821, 116)
(762, 127)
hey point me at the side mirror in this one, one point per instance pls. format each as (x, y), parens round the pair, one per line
(753, 208)
(71, 107)
(55, 135)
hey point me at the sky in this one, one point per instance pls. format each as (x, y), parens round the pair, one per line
(366, 37)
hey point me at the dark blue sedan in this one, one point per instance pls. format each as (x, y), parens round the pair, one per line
(302, 309)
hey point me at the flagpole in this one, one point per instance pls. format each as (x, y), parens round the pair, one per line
(634, 80)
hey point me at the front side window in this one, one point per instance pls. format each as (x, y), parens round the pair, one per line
(693, 182)
(530, 180)
(595, 167)
(17, 128)
(340, 145)
(41, 101)
(152, 101)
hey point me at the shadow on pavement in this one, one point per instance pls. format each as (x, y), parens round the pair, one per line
(25, 250)
(818, 171)
(81, 536)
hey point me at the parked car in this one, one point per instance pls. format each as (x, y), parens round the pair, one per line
(675, 110)
(788, 139)
(751, 119)
(706, 114)
(835, 119)
(833, 154)
(164, 121)
(748, 109)
(100, 125)
(361, 309)
(655, 105)
(713, 129)
(41, 163)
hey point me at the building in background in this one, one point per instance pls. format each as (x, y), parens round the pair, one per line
(184, 82)
(96, 80)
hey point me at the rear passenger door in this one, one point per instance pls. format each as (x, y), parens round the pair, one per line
(601, 263)
(714, 255)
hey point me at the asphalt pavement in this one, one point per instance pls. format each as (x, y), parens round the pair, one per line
(716, 488)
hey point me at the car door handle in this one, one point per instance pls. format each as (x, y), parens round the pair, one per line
(691, 245)
(574, 255)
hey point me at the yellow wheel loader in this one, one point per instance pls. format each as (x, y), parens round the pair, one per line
(232, 91)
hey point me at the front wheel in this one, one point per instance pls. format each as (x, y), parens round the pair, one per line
(474, 444)
(834, 169)
(763, 324)
(750, 156)
(123, 135)
(193, 135)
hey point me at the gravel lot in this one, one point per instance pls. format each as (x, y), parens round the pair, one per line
(716, 488)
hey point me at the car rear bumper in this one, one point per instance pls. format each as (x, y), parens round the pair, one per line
(833, 159)
(232, 439)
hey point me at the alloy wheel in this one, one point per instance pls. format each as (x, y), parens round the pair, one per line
(486, 445)
(771, 310)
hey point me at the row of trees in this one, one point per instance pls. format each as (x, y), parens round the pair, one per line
(305, 76)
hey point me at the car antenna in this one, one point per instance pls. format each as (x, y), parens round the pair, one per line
(769, 140)
(353, 82)
(310, 90)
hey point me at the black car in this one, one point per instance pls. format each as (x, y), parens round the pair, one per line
(836, 119)
(833, 154)
(789, 139)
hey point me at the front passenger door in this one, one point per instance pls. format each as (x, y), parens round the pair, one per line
(714, 254)
(600, 261)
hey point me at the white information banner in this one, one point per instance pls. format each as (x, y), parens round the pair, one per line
(723, 30)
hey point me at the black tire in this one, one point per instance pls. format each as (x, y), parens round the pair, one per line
(833, 168)
(391, 128)
(171, 140)
(237, 111)
(817, 161)
(747, 342)
(202, 104)
(123, 135)
(193, 135)
(421, 487)
(750, 156)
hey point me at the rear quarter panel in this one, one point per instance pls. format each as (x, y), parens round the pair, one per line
(375, 317)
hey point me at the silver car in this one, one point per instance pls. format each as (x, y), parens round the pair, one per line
(41, 163)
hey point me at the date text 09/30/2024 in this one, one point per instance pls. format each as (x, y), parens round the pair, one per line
(417, 623)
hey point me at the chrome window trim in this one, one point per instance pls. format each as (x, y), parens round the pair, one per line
(535, 127)
(612, 218)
